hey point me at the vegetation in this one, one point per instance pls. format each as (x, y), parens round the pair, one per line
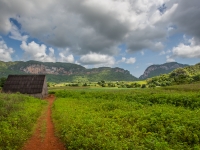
(156, 70)
(87, 116)
(128, 119)
(2, 81)
(102, 83)
(107, 75)
(110, 74)
(73, 72)
(185, 75)
(18, 114)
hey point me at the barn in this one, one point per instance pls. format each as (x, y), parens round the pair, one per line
(34, 85)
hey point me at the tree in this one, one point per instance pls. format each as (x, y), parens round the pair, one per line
(180, 75)
(103, 82)
(196, 77)
(85, 84)
(2, 81)
(152, 85)
(143, 86)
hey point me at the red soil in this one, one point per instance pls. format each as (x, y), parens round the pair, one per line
(44, 138)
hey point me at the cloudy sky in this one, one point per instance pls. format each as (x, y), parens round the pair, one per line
(131, 34)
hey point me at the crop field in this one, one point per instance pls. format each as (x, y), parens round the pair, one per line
(128, 119)
(185, 87)
(18, 115)
(108, 117)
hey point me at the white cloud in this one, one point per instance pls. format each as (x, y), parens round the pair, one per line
(97, 59)
(187, 51)
(5, 51)
(159, 46)
(76, 62)
(15, 34)
(123, 59)
(162, 53)
(34, 51)
(68, 59)
(165, 52)
(66, 56)
(90, 25)
(5, 25)
(130, 60)
(142, 53)
(170, 28)
(100, 26)
(169, 59)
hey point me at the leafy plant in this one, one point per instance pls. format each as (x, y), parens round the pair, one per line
(128, 119)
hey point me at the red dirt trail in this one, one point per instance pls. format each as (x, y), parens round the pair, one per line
(43, 137)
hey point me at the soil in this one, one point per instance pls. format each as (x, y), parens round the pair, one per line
(43, 137)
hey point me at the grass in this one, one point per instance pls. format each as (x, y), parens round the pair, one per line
(185, 87)
(128, 119)
(141, 82)
(17, 120)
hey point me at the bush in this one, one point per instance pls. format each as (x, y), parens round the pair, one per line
(2, 81)
(85, 84)
(143, 86)
(180, 75)
(152, 85)
(196, 77)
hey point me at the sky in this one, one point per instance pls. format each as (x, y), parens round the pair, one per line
(130, 34)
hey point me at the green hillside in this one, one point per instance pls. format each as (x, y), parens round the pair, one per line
(66, 66)
(184, 75)
(193, 70)
(66, 72)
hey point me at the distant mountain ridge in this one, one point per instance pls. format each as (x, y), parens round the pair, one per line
(156, 70)
(65, 72)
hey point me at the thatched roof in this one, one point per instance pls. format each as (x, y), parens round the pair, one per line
(25, 84)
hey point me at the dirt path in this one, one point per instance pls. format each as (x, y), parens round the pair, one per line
(44, 138)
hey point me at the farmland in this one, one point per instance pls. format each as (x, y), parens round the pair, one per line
(94, 117)
(18, 115)
(156, 118)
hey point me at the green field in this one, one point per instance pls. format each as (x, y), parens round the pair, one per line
(99, 84)
(159, 118)
(107, 118)
(18, 115)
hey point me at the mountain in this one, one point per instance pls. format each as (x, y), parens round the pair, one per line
(155, 70)
(65, 72)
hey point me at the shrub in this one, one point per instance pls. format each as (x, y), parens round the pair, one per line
(143, 86)
(2, 81)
